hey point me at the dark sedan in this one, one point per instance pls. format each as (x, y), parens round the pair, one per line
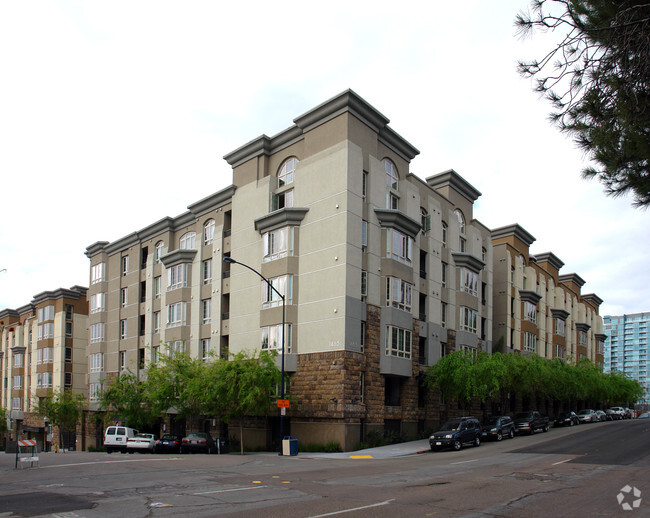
(198, 443)
(567, 419)
(168, 444)
(498, 426)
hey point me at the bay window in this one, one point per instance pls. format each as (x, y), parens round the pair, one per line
(278, 243)
(398, 342)
(468, 319)
(283, 284)
(272, 338)
(399, 246)
(398, 293)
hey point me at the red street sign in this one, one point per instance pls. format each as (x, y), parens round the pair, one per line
(283, 403)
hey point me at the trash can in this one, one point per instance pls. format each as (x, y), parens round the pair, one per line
(289, 446)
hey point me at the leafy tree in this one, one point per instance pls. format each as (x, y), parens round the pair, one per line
(597, 79)
(62, 408)
(453, 376)
(244, 386)
(127, 399)
(3, 421)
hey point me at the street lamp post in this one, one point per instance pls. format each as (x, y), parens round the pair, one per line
(230, 260)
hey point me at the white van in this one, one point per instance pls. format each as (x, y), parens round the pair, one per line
(116, 437)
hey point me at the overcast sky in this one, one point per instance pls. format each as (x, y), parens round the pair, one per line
(114, 114)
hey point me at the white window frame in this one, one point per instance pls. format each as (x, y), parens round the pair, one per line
(284, 285)
(157, 287)
(205, 348)
(177, 277)
(125, 265)
(188, 241)
(560, 326)
(364, 284)
(124, 297)
(176, 314)
(16, 403)
(206, 271)
(156, 322)
(18, 360)
(399, 294)
(530, 312)
(398, 342)
(469, 281)
(287, 171)
(96, 362)
(97, 332)
(123, 329)
(97, 273)
(392, 176)
(271, 338)
(97, 302)
(364, 235)
(208, 232)
(159, 251)
(443, 314)
(95, 391)
(468, 319)
(399, 246)
(206, 311)
(278, 243)
(18, 382)
(530, 342)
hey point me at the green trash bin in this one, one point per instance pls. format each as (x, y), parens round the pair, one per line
(289, 446)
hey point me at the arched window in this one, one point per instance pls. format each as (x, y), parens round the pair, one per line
(425, 220)
(285, 175)
(188, 241)
(461, 220)
(444, 233)
(160, 250)
(392, 178)
(208, 232)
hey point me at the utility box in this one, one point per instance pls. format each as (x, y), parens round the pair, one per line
(289, 446)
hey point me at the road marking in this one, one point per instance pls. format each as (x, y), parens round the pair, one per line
(228, 490)
(561, 462)
(107, 462)
(379, 504)
(361, 456)
(464, 461)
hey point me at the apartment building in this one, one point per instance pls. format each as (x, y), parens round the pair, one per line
(42, 349)
(382, 274)
(627, 348)
(537, 309)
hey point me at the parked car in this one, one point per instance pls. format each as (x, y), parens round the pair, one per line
(457, 432)
(611, 415)
(567, 419)
(497, 427)
(619, 410)
(602, 416)
(198, 443)
(115, 438)
(628, 413)
(142, 442)
(529, 422)
(587, 416)
(168, 444)
(645, 415)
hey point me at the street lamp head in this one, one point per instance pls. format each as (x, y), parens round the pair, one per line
(229, 260)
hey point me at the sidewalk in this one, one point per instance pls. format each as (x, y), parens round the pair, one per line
(403, 449)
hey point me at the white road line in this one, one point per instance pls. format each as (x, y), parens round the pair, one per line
(561, 462)
(379, 504)
(107, 462)
(464, 461)
(228, 490)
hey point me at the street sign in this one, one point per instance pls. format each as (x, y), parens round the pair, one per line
(283, 403)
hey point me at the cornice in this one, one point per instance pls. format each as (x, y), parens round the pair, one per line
(289, 216)
(75, 293)
(530, 296)
(214, 201)
(395, 219)
(180, 256)
(572, 277)
(562, 314)
(600, 337)
(592, 297)
(515, 230)
(96, 248)
(468, 261)
(582, 326)
(456, 182)
(550, 258)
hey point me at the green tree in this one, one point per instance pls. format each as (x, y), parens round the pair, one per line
(62, 408)
(3, 421)
(597, 78)
(453, 376)
(127, 399)
(244, 386)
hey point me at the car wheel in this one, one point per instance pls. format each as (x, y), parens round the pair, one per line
(545, 428)
(499, 436)
(571, 423)
(512, 434)
(477, 441)
(109, 451)
(457, 445)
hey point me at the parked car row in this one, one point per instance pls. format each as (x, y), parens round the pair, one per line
(125, 439)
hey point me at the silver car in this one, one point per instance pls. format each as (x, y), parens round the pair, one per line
(588, 416)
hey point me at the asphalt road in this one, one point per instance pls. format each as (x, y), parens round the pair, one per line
(573, 472)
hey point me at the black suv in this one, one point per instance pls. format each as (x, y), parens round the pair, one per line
(499, 426)
(457, 432)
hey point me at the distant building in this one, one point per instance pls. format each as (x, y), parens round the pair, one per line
(43, 348)
(627, 347)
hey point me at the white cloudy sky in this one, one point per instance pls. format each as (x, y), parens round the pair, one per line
(114, 114)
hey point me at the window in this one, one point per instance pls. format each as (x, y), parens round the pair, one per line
(207, 271)
(484, 255)
(18, 360)
(98, 273)
(468, 318)
(398, 342)
(559, 327)
(143, 291)
(177, 277)
(122, 360)
(425, 220)
(399, 246)
(272, 338)
(469, 280)
(362, 338)
(122, 329)
(176, 314)
(124, 297)
(444, 233)
(156, 287)
(16, 403)
(278, 243)
(125, 265)
(97, 332)
(68, 354)
(461, 221)
(144, 255)
(462, 244)
(282, 200)
(530, 342)
(95, 391)
(67, 380)
(97, 302)
(530, 312)
(188, 241)
(159, 251)
(96, 362)
(206, 311)
(287, 170)
(582, 338)
(364, 185)
(18, 382)
(283, 284)
(46, 331)
(559, 351)
(155, 354)
(44, 380)
(364, 284)
(156, 322)
(46, 313)
(392, 178)
(208, 232)
(364, 235)
(443, 314)
(444, 274)
(392, 201)
(176, 347)
(205, 348)
(398, 293)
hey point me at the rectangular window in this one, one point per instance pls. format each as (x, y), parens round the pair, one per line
(98, 273)
(69, 310)
(143, 325)
(469, 281)
(530, 342)
(364, 284)
(206, 311)
(68, 354)
(97, 332)
(530, 312)
(156, 322)
(462, 244)
(443, 314)
(364, 185)
(582, 338)
(205, 348)
(278, 243)
(399, 246)
(559, 327)
(398, 293)
(468, 318)
(444, 274)
(67, 382)
(95, 391)
(125, 265)
(398, 342)
(155, 354)
(176, 347)
(96, 362)
(143, 291)
(45, 314)
(284, 285)
(559, 351)
(272, 338)
(124, 297)
(122, 360)
(362, 339)
(156, 287)
(18, 360)
(18, 382)
(364, 235)
(123, 329)
(97, 302)
(282, 200)
(177, 277)
(392, 201)
(46, 331)
(176, 314)
(16, 403)
(207, 271)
